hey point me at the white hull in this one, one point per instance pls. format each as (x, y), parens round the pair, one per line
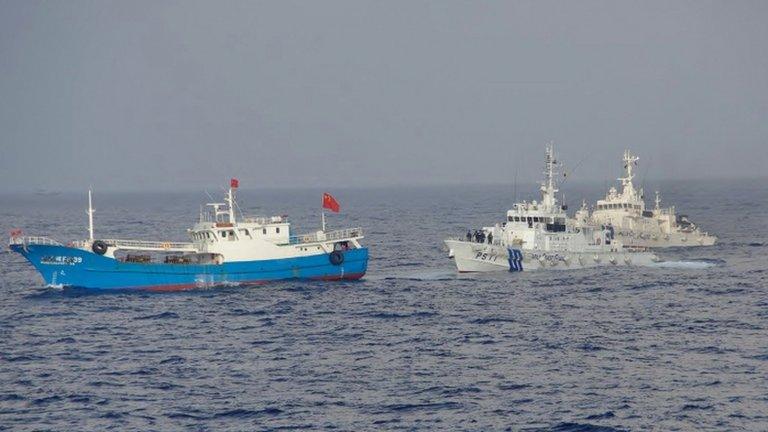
(659, 240)
(625, 214)
(481, 257)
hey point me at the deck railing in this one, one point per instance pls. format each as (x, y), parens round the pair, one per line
(34, 240)
(265, 220)
(150, 245)
(329, 236)
(495, 242)
(141, 245)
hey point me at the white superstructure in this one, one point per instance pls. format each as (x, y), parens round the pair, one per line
(221, 236)
(220, 232)
(539, 235)
(625, 213)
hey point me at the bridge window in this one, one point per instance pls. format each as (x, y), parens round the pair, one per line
(264, 231)
(277, 230)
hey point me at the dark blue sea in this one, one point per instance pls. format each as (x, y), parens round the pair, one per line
(414, 345)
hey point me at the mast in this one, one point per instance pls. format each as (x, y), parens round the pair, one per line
(630, 160)
(230, 205)
(548, 187)
(322, 213)
(90, 215)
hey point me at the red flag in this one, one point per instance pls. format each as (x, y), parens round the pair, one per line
(330, 203)
(15, 233)
(234, 183)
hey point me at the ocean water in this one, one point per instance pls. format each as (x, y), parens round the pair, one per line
(414, 346)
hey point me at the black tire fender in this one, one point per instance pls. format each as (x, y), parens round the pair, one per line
(336, 258)
(99, 247)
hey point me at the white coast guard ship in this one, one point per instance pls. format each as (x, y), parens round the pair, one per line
(224, 249)
(539, 235)
(624, 212)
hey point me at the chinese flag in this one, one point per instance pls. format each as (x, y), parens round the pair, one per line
(16, 233)
(330, 203)
(234, 183)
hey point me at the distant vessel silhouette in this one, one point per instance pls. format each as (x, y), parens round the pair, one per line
(539, 235)
(626, 214)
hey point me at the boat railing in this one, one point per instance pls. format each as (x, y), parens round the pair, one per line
(634, 248)
(261, 220)
(144, 245)
(328, 236)
(34, 240)
(494, 242)
(150, 245)
(265, 220)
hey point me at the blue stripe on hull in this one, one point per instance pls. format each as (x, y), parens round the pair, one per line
(515, 260)
(66, 266)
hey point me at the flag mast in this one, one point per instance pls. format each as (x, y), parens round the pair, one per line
(322, 214)
(328, 203)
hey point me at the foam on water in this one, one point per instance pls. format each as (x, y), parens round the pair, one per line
(693, 265)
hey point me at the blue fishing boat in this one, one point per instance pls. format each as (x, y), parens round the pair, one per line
(224, 249)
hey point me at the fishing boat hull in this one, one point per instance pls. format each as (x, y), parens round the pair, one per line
(482, 257)
(72, 267)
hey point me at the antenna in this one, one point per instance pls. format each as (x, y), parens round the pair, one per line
(645, 176)
(578, 164)
(230, 199)
(239, 209)
(549, 186)
(90, 214)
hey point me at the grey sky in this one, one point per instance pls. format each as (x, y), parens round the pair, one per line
(132, 95)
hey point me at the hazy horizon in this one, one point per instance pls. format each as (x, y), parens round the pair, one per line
(170, 95)
(523, 188)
